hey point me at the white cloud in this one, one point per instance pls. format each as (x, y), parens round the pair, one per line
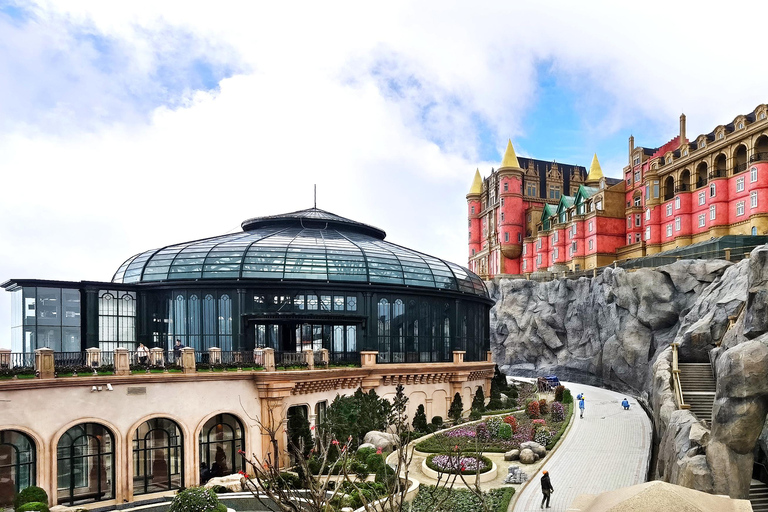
(379, 106)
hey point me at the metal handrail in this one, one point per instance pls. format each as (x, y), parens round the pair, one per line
(731, 322)
(676, 380)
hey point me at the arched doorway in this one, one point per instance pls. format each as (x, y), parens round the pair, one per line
(669, 188)
(701, 175)
(685, 180)
(220, 441)
(720, 169)
(85, 465)
(740, 159)
(158, 456)
(17, 464)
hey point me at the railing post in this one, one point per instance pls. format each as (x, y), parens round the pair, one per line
(44, 363)
(214, 355)
(5, 358)
(156, 357)
(325, 356)
(269, 359)
(489, 356)
(93, 357)
(368, 358)
(458, 356)
(309, 358)
(728, 255)
(188, 360)
(122, 361)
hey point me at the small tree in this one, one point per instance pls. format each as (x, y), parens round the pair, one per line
(420, 420)
(478, 403)
(299, 433)
(457, 408)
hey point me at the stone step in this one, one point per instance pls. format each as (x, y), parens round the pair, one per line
(758, 496)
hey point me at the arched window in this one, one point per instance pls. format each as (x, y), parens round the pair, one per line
(85, 462)
(158, 456)
(17, 464)
(385, 317)
(220, 440)
(398, 328)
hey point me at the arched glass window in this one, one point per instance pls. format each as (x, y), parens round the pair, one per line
(220, 440)
(398, 328)
(158, 456)
(193, 313)
(384, 314)
(209, 322)
(17, 464)
(85, 461)
(225, 322)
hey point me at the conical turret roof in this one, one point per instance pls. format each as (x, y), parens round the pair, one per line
(510, 158)
(477, 184)
(595, 172)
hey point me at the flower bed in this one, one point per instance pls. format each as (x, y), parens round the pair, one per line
(455, 463)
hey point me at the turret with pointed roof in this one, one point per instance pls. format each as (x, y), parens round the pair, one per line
(595, 172)
(477, 185)
(510, 158)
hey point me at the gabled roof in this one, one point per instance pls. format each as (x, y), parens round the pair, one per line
(549, 211)
(584, 192)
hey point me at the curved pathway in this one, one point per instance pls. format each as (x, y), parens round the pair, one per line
(609, 448)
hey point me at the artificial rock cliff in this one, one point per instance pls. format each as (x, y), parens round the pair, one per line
(615, 330)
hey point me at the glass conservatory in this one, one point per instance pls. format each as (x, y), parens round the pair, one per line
(303, 280)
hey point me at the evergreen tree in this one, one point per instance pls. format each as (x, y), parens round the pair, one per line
(299, 435)
(478, 403)
(420, 420)
(457, 408)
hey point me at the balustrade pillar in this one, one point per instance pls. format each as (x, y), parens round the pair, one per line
(156, 356)
(269, 359)
(122, 361)
(188, 360)
(214, 355)
(45, 367)
(5, 358)
(309, 358)
(93, 357)
(368, 358)
(458, 356)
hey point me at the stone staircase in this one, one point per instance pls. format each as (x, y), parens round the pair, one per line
(698, 385)
(758, 496)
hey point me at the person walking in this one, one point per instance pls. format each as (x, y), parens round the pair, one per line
(546, 488)
(581, 405)
(625, 404)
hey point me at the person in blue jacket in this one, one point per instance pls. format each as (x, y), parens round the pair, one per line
(581, 405)
(625, 404)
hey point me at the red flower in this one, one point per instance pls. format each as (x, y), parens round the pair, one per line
(334, 442)
(378, 451)
(241, 452)
(242, 472)
(312, 427)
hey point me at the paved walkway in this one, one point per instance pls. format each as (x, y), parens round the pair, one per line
(609, 448)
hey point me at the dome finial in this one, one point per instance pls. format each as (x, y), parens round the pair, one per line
(510, 158)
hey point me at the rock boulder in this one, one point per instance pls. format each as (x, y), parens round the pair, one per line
(527, 456)
(383, 440)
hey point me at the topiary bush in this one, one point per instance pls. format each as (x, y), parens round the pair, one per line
(195, 499)
(543, 407)
(437, 421)
(33, 506)
(362, 454)
(386, 475)
(559, 393)
(475, 415)
(31, 494)
(420, 419)
(457, 408)
(567, 397)
(374, 462)
(478, 403)
(532, 409)
(512, 422)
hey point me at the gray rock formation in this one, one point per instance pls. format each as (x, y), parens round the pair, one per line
(383, 440)
(527, 456)
(512, 455)
(606, 330)
(535, 447)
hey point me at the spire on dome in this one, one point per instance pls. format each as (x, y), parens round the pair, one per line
(595, 172)
(510, 158)
(477, 184)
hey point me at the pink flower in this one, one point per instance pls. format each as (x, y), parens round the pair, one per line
(241, 452)
(378, 451)
(312, 427)
(334, 442)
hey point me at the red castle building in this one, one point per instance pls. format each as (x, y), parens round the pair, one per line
(521, 220)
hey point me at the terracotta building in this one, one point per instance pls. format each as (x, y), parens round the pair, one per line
(683, 192)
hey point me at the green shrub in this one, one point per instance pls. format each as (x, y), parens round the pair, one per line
(505, 431)
(462, 500)
(29, 495)
(220, 489)
(195, 499)
(437, 421)
(543, 407)
(32, 506)
(475, 415)
(567, 397)
(493, 425)
(457, 408)
(362, 454)
(420, 419)
(478, 403)
(386, 475)
(374, 462)
(559, 393)
(221, 508)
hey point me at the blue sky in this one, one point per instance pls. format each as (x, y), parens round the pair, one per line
(130, 125)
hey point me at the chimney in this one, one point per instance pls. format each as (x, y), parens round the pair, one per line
(682, 129)
(631, 148)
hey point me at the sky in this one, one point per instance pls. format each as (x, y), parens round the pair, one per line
(126, 126)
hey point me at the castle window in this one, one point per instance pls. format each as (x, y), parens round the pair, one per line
(506, 237)
(638, 220)
(754, 230)
(720, 136)
(506, 188)
(677, 203)
(669, 230)
(648, 233)
(712, 189)
(740, 184)
(473, 252)
(712, 212)
(554, 258)
(502, 216)
(702, 198)
(590, 226)
(574, 247)
(677, 224)
(685, 153)
(538, 244)
(629, 238)
(669, 210)
(762, 115)
(502, 200)
(740, 208)
(556, 236)
(573, 229)
(637, 176)
(538, 259)
(648, 214)
(702, 220)
(753, 199)
(599, 205)
(472, 210)
(741, 125)
(469, 223)
(637, 237)
(590, 245)
(519, 237)
(703, 144)
(636, 160)
(629, 222)
(753, 175)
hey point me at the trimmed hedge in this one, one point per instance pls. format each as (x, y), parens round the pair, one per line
(33, 506)
(31, 494)
(460, 500)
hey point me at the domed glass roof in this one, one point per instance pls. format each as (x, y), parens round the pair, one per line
(305, 245)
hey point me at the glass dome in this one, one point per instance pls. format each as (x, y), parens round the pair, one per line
(305, 245)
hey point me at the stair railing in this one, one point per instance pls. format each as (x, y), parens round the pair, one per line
(678, 388)
(732, 321)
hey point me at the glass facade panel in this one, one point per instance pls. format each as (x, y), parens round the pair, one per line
(17, 464)
(220, 440)
(158, 457)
